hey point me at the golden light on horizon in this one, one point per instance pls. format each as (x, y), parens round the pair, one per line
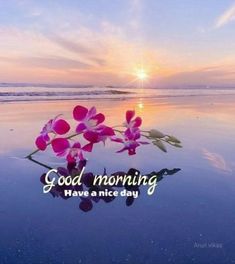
(141, 74)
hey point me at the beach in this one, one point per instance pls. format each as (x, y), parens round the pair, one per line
(189, 218)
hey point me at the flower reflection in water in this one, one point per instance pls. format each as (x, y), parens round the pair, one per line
(87, 179)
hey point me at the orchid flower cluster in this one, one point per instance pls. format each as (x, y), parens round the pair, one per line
(92, 128)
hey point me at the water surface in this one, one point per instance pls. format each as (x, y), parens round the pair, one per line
(189, 219)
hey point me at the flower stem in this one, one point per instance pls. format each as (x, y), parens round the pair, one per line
(119, 131)
(39, 163)
(117, 126)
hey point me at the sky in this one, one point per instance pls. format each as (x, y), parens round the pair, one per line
(102, 42)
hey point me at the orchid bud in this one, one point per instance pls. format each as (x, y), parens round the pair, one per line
(156, 134)
(160, 145)
(177, 145)
(173, 139)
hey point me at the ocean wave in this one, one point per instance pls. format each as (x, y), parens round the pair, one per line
(58, 95)
(44, 93)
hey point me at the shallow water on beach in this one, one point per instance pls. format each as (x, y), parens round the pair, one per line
(189, 219)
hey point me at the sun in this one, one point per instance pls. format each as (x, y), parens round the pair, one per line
(141, 74)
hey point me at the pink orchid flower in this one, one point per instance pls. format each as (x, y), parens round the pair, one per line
(100, 135)
(131, 135)
(54, 126)
(130, 141)
(73, 153)
(89, 119)
(130, 122)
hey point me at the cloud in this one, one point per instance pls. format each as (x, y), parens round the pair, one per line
(82, 49)
(70, 45)
(216, 160)
(211, 75)
(226, 17)
(89, 54)
(135, 14)
(48, 62)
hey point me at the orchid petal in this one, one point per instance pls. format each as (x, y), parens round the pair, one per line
(91, 136)
(121, 150)
(91, 112)
(137, 121)
(137, 135)
(133, 145)
(85, 205)
(129, 115)
(88, 147)
(131, 152)
(62, 153)
(99, 118)
(107, 131)
(46, 137)
(70, 159)
(79, 112)
(76, 145)
(40, 143)
(115, 139)
(60, 145)
(80, 155)
(61, 127)
(80, 128)
(63, 171)
(129, 134)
